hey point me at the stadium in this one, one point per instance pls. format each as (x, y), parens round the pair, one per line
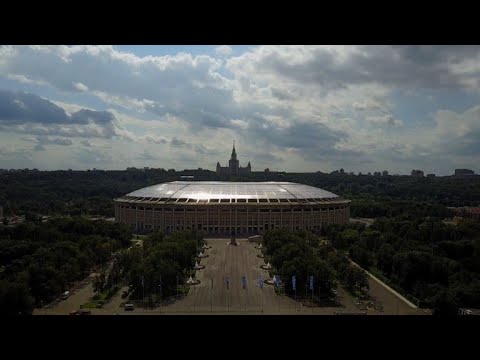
(225, 208)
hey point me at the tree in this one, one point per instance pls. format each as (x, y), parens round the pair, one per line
(385, 258)
(99, 282)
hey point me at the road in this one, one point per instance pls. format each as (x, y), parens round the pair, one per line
(77, 297)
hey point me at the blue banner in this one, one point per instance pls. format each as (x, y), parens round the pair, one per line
(294, 282)
(278, 280)
(260, 282)
(244, 281)
(311, 282)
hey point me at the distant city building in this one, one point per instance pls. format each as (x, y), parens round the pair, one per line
(233, 167)
(472, 213)
(384, 173)
(417, 173)
(463, 173)
(430, 175)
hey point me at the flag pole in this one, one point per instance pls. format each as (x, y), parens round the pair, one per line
(228, 294)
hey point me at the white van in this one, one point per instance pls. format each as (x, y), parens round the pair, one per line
(65, 295)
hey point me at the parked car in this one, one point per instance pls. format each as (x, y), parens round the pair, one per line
(65, 295)
(81, 312)
(128, 307)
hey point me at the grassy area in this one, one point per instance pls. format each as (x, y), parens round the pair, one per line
(99, 299)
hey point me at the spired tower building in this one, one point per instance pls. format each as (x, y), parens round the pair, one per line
(233, 167)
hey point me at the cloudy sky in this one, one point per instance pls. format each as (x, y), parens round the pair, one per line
(293, 108)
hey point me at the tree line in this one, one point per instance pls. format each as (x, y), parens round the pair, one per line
(92, 192)
(436, 262)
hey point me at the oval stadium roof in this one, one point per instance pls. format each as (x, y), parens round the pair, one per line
(209, 190)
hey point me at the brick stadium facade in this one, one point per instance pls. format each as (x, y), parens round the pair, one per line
(226, 208)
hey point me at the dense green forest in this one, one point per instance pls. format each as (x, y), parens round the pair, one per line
(92, 192)
(38, 261)
(437, 263)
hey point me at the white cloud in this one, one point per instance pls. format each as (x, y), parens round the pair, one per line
(80, 87)
(223, 50)
(386, 119)
(155, 139)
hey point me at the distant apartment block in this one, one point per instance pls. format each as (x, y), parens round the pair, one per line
(472, 213)
(417, 173)
(464, 173)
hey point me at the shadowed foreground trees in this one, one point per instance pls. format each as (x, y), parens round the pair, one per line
(40, 261)
(438, 263)
(162, 257)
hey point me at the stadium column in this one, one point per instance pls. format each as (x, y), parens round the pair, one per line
(291, 219)
(173, 219)
(163, 219)
(144, 216)
(303, 221)
(334, 213)
(153, 218)
(208, 224)
(281, 217)
(236, 222)
(136, 217)
(258, 220)
(270, 220)
(311, 222)
(184, 221)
